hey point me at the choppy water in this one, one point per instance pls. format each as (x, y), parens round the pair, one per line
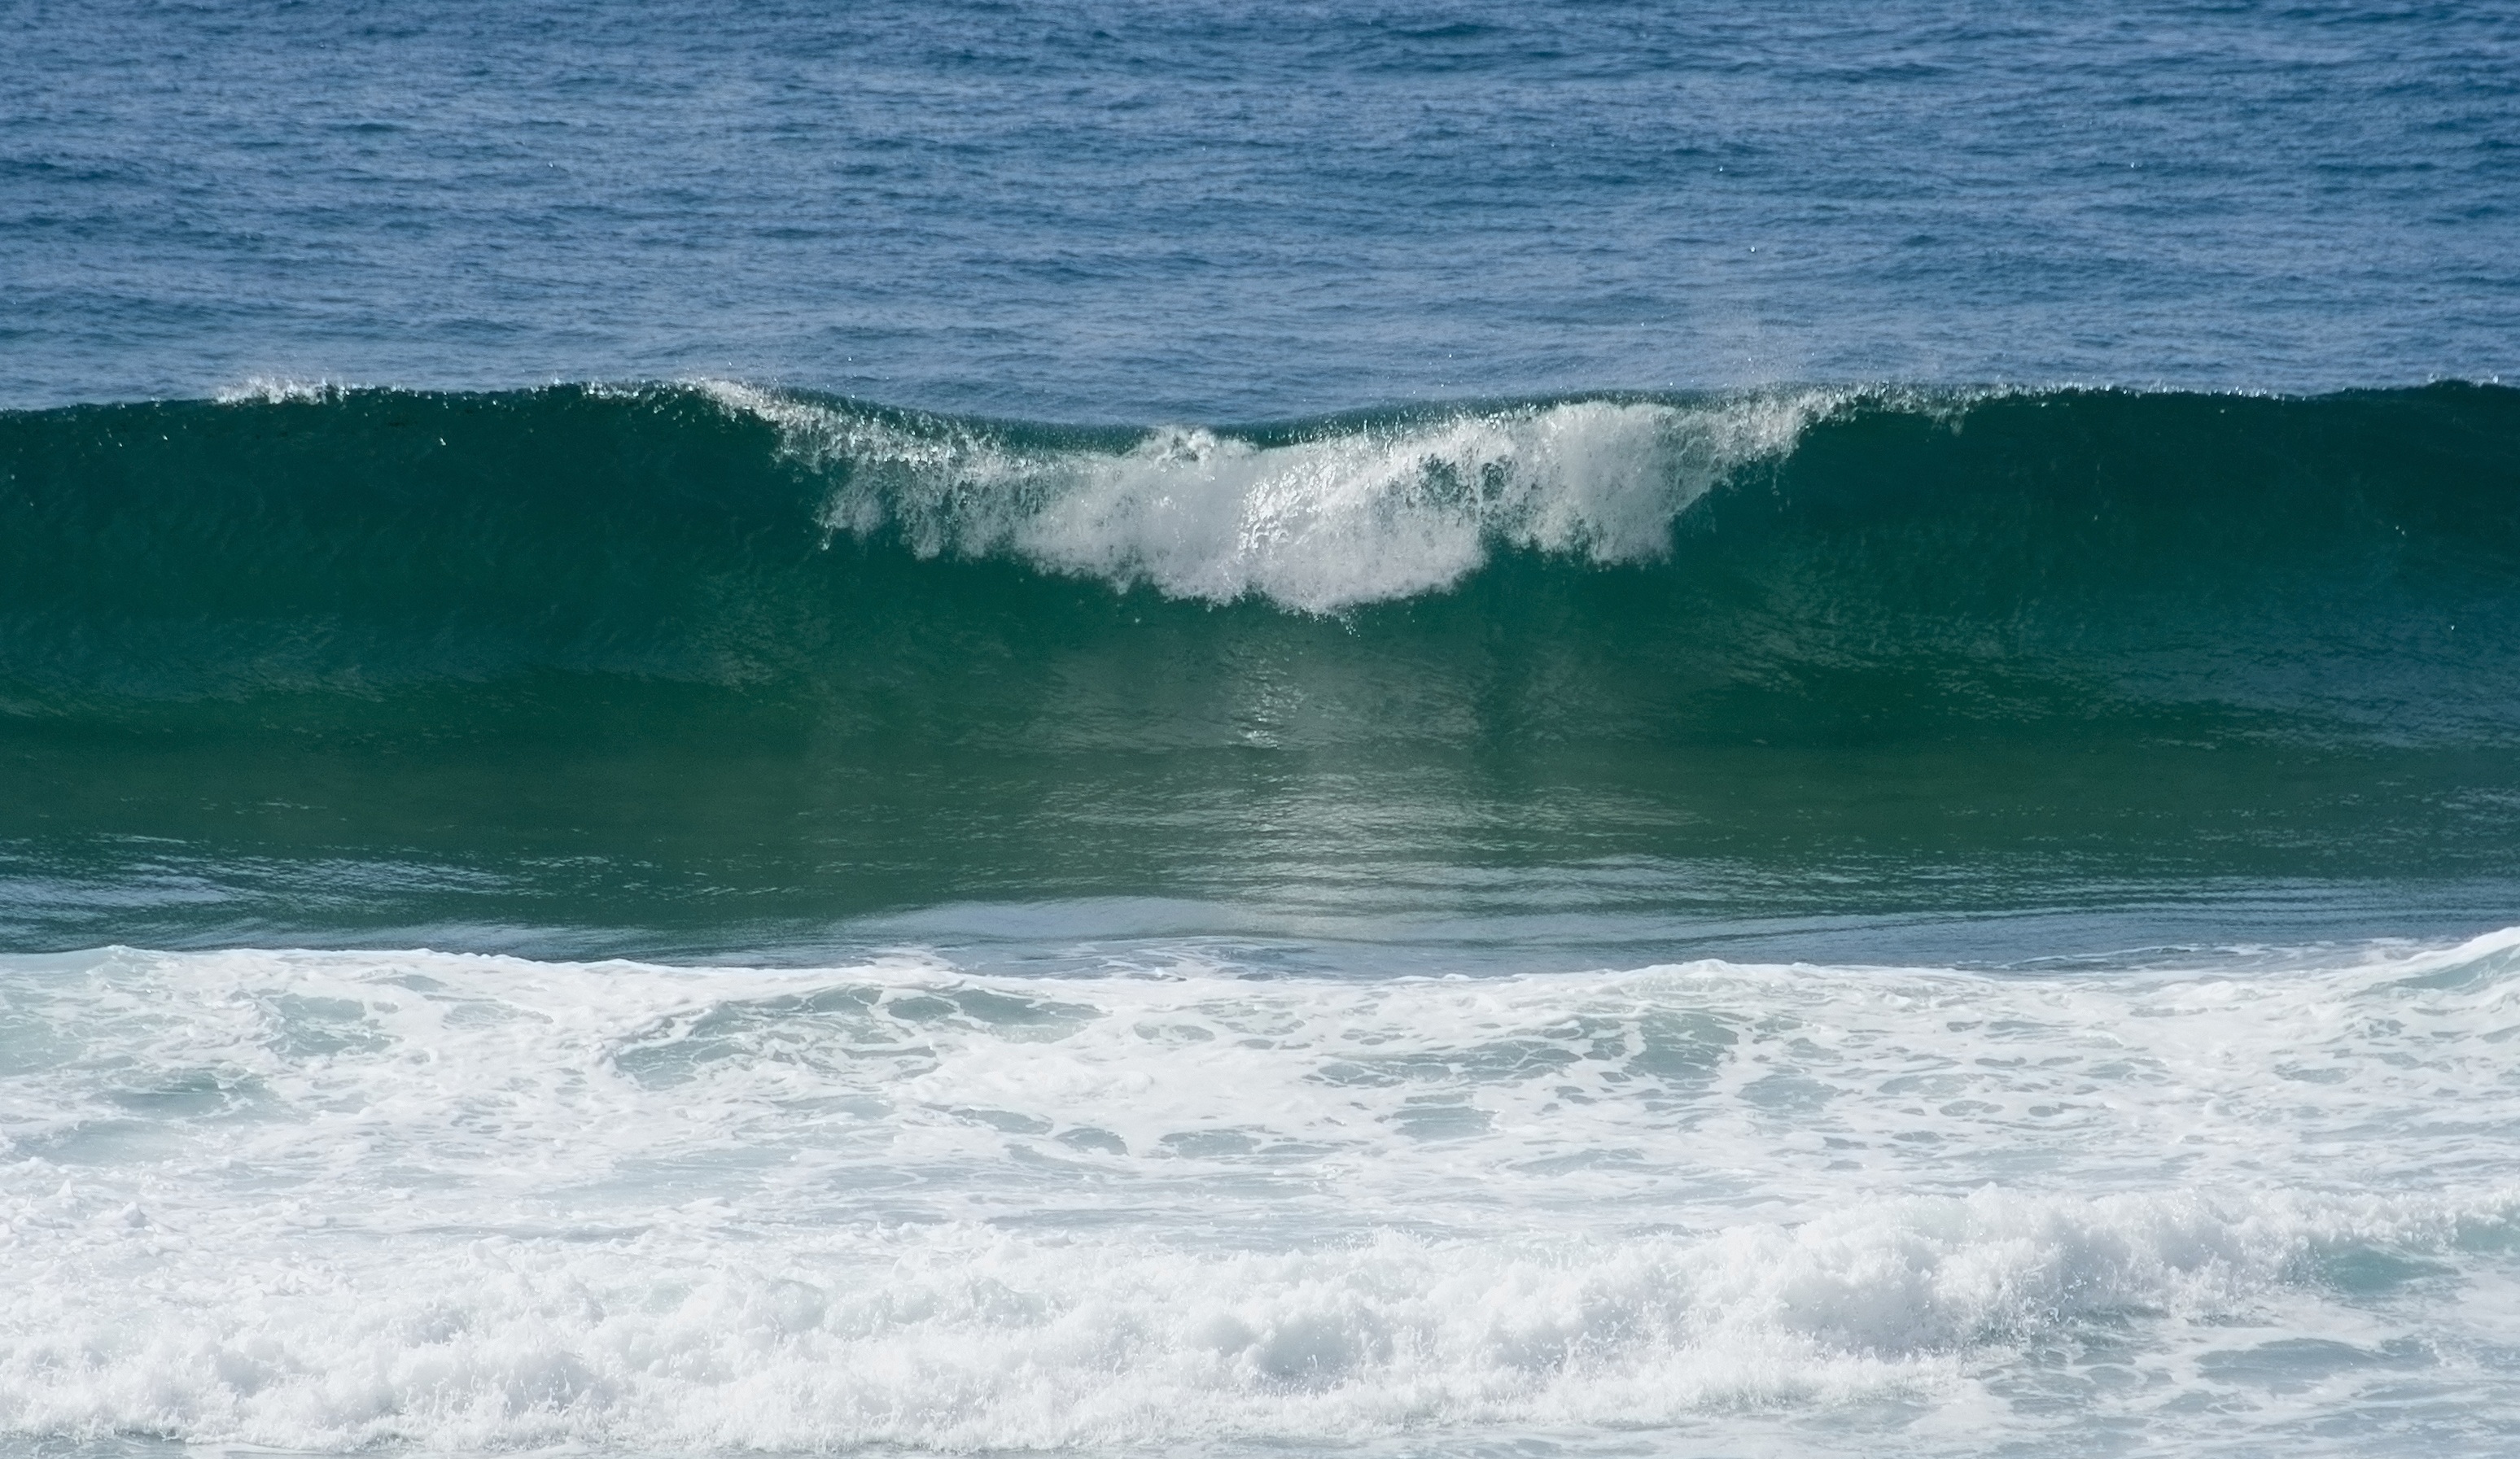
(328, 1200)
(1211, 211)
(1554, 730)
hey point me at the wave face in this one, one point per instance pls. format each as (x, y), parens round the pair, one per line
(2106, 548)
(2259, 636)
(335, 1201)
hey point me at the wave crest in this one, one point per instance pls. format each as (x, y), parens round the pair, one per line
(1320, 523)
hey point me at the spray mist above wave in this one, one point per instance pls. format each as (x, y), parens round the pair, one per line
(1327, 522)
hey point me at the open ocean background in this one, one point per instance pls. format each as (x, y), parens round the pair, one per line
(1512, 730)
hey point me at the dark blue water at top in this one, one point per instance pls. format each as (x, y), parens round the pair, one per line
(1124, 211)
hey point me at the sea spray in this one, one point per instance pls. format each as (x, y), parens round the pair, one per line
(1318, 519)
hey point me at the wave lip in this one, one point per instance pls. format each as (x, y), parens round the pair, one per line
(1333, 518)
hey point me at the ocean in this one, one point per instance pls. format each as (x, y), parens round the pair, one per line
(1547, 731)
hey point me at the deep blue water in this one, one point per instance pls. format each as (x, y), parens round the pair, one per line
(1139, 213)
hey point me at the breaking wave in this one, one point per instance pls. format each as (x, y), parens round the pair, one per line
(1317, 518)
(2345, 559)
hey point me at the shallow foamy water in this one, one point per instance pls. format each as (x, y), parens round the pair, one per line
(312, 1200)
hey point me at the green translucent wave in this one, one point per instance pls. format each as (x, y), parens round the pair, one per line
(709, 658)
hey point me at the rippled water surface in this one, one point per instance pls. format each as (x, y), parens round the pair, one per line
(1204, 211)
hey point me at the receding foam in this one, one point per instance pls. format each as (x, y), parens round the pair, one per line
(331, 1200)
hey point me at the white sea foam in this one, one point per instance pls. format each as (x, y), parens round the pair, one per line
(326, 1200)
(279, 390)
(1353, 515)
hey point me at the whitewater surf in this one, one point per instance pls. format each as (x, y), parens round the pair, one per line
(336, 1201)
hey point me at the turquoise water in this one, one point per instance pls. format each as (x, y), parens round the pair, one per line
(703, 669)
(1107, 730)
